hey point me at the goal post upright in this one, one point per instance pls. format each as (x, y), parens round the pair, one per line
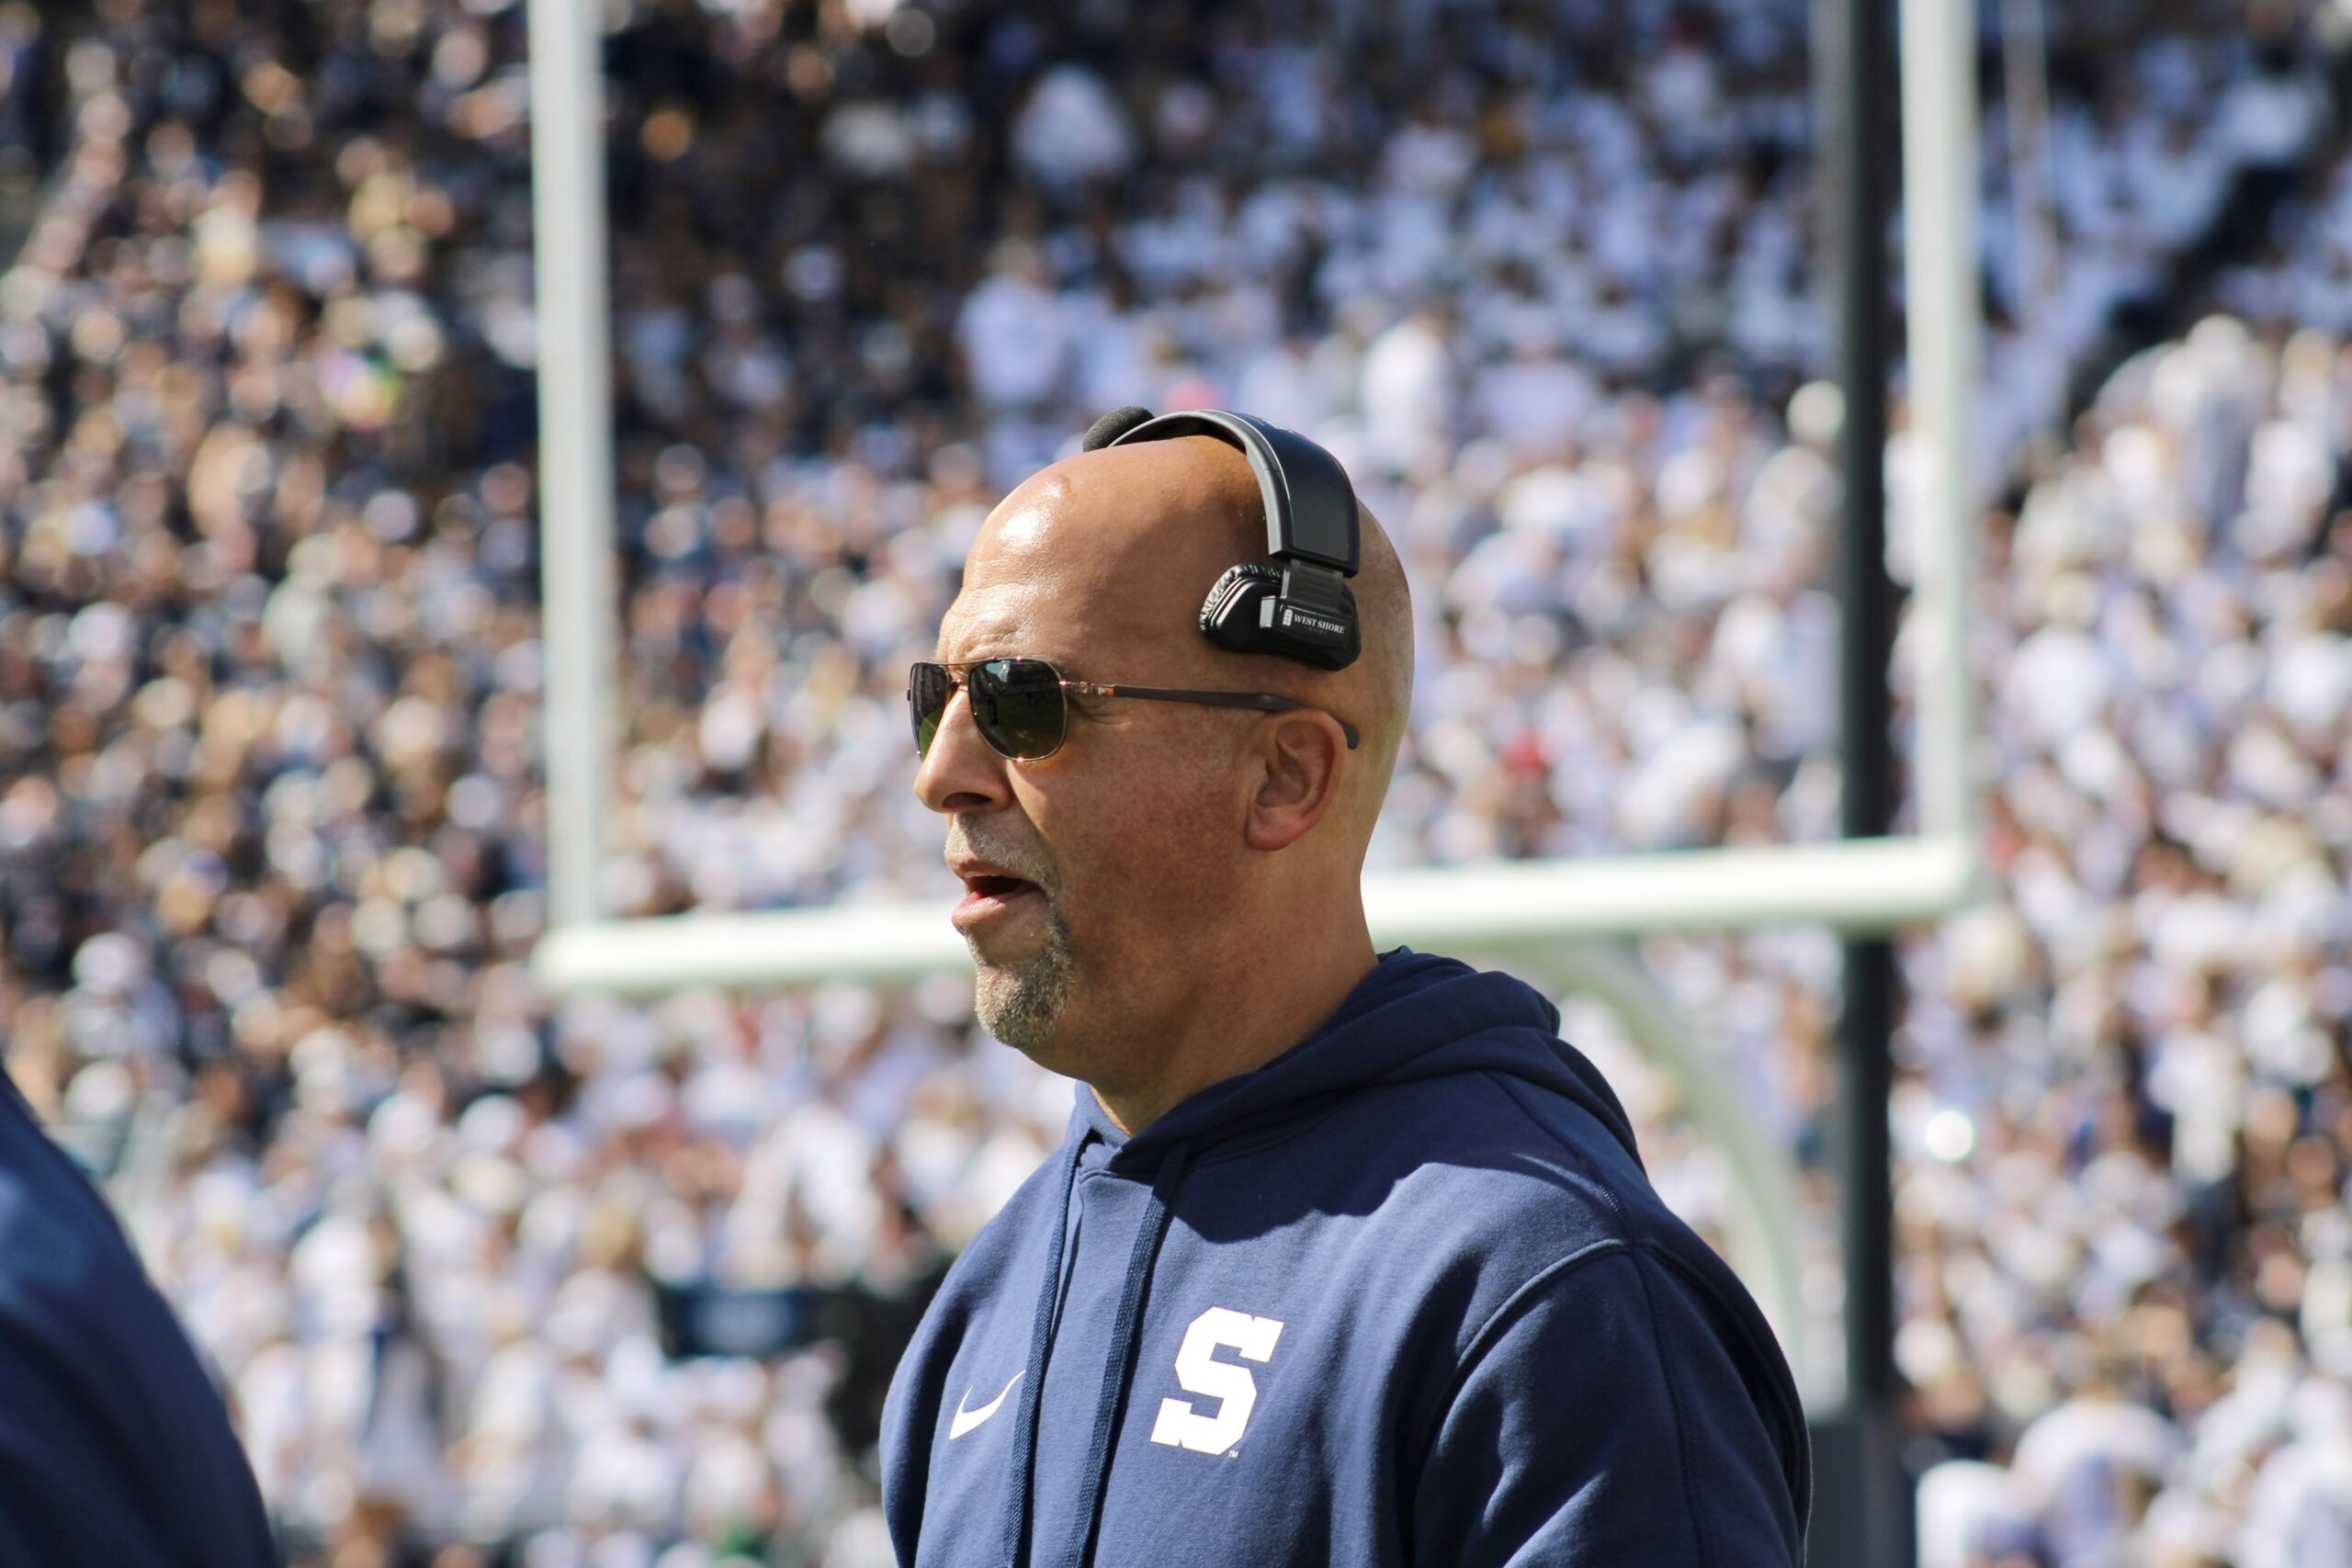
(579, 606)
(1944, 324)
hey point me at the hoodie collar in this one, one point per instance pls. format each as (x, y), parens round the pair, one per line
(1414, 1015)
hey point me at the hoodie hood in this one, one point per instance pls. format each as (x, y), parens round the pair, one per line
(1415, 1016)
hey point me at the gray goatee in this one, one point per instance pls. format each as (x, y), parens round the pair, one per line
(1021, 1003)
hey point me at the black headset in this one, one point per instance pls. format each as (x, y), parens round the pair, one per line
(1299, 605)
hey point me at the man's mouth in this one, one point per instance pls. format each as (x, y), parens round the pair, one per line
(991, 896)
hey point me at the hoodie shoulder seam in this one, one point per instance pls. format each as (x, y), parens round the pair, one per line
(1699, 1533)
(1737, 1335)
(1474, 1349)
(1579, 1176)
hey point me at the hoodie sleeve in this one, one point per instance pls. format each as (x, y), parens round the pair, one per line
(1601, 1419)
(115, 1448)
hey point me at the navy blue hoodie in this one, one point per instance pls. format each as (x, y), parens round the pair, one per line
(1403, 1295)
(115, 1451)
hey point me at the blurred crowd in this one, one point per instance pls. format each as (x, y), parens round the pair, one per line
(272, 829)
(2126, 1254)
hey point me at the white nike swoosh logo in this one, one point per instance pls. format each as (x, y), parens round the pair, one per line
(967, 1419)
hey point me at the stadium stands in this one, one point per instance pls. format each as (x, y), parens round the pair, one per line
(271, 825)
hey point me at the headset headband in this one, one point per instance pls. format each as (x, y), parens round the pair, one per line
(1310, 507)
(1298, 605)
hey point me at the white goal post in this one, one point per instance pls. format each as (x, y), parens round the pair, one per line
(1542, 913)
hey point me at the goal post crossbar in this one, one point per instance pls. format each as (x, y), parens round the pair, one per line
(1856, 887)
(1541, 913)
(1855, 884)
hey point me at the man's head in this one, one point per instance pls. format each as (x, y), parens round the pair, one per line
(1167, 852)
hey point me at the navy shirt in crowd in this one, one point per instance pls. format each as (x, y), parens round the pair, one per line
(114, 1449)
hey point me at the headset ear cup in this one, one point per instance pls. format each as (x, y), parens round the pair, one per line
(1232, 613)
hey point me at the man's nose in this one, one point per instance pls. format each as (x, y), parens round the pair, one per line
(962, 771)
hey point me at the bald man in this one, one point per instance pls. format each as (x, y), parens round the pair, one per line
(1346, 1259)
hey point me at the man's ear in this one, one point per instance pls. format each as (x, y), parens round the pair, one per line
(1299, 755)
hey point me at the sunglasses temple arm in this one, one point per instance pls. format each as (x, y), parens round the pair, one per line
(1261, 702)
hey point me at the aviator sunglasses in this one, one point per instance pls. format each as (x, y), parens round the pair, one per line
(1021, 706)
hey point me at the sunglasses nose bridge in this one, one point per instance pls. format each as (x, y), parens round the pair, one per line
(960, 770)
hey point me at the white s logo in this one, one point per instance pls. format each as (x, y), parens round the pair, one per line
(1199, 1372)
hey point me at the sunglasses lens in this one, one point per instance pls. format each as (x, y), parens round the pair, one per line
(1017, 703)
(928, 687)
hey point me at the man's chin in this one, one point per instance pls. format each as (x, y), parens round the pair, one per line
(1006, 955)
(1022, 1005)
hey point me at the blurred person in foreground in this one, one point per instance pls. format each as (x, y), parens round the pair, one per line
(114, 1448)
(1347, 1257)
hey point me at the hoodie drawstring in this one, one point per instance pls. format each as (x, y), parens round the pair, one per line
(1024, 1419)
(1117, 1371)
(1121, 1365)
